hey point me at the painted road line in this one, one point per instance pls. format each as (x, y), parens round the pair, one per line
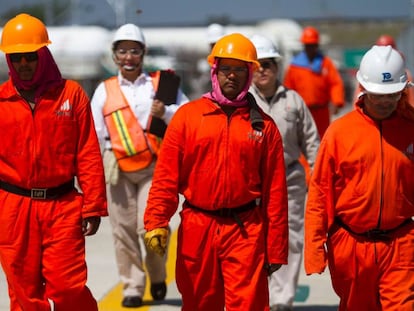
(112, 300)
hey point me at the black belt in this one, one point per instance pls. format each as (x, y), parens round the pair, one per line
(226, 212)
(39, 193)
(374, 234)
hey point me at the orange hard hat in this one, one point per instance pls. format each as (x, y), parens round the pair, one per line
(310, 35)
(386, 40)
(23, 33)
(235, 46)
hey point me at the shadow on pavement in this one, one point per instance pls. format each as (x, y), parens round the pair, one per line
(316, 308)
(169, 302)
(177, 302)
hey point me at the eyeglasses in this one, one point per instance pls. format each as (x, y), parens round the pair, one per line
(132, 52)
(266, 64)
(236, 69)
(29, 57)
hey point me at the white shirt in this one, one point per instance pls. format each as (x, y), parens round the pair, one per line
(140, 95)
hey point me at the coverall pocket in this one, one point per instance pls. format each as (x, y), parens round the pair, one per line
(341, 258)
(12, 147)
(405, 246)
(354, 177)
(11, 210)
(289, 115)
(64, 135)
(193, 232)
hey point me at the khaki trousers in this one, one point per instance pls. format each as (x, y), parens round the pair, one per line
(127, 199)
(284, 282)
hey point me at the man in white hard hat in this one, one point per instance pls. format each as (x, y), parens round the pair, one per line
(361, 196)
(300, 136)
(214, 33)
(124, 108)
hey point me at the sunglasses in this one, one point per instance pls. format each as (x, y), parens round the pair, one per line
(29, 57)
(266, 64)
(132, 52)
(232, 69)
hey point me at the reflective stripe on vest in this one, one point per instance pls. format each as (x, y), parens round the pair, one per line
(134, 148)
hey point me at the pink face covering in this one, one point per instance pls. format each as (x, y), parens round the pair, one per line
(47, 74)
(216, 94)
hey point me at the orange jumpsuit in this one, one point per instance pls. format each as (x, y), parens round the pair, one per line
(221, 162)
(318, 83)
(42, 248)
(363, 179)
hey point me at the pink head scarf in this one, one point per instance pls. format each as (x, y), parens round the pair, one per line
(47, 74)
(216, 94)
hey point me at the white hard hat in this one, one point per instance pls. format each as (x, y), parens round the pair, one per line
(265, 48)
(214, 33)
(382, 71)
(129, 32)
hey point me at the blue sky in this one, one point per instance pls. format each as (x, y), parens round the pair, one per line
(197, 12)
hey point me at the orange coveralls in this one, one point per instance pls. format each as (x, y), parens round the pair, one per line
(317, 88)
(221, 162)
(41, 241)
(363, 179)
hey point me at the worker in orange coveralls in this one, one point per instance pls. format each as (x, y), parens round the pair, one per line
(48, 140)
(316, 79)
(225, 156)
(361, 196)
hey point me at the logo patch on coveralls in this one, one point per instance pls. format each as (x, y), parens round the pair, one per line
(256, 135)
(65, 109)
(387, 77)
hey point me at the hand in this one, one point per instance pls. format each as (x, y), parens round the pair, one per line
(272, 267)
(90, 225)
(156, 240)
(157, 108)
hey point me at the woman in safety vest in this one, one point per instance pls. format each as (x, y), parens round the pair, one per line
(126, 111)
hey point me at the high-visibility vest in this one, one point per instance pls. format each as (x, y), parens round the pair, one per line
(134, 148)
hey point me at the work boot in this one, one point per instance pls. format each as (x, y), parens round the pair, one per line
(132, 302)
(158, 291)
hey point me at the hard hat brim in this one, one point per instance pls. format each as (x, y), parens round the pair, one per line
(22, 48)
(381, 88)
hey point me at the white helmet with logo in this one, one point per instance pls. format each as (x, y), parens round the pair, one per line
(129, 32)
(382, 71)
(214, 33)
(265, 47)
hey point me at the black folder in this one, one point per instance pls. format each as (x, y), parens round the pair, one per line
(166, 92)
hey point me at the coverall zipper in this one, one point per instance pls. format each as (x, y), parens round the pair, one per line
(381, 186)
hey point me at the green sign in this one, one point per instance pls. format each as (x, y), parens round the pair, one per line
(352, 57)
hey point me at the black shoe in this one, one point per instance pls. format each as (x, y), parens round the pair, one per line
(158, 291)
(132, 302)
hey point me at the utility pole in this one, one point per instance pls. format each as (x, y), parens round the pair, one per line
(119, 8)
(410, 58)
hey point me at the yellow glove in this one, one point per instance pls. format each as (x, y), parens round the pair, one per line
(156, 240)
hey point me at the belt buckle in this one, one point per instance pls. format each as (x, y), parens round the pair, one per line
(38, 193)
